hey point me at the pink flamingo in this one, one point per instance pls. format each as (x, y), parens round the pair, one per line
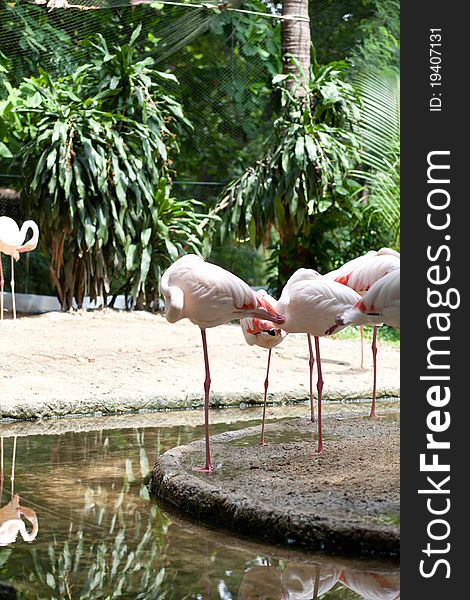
(208, 296)
(380, 304)
(263, 334)
(310, 302)
(359, 274)
(12, 243)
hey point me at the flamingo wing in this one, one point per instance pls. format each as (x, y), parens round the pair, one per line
(209, 295)
(380, 304)
(362, 272)
(314, 305)
(371, 271)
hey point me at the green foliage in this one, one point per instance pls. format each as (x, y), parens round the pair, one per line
(385, 334)
(96, 166)
(11, 126)
(31, 274)
(302, 187)
(366, 32)
(243, 259)
(335, 26)
(160, 234)
(225, 62)
(379, 129)
(378, 46)
(226, 88)
(33, 36)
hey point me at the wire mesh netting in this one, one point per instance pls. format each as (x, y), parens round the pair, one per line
(193, 42)
(224, 61)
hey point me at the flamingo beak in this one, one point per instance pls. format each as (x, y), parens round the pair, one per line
(279, 319)
(273, 315)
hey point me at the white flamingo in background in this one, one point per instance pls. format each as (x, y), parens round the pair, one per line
(12, 242)
(208, 296)
(310, 302)
(359, 274)
(262, 333)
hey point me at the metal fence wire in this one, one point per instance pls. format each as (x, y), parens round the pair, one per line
(51, 33)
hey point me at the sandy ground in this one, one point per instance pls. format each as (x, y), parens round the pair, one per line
(102, 362)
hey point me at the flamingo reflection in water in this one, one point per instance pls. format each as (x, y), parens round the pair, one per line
(11, 522)
(296, 582)
(307, 582)
(372, 586)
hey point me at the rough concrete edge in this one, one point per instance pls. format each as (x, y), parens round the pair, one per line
(200, 500)
(28, 408)
(168, 418)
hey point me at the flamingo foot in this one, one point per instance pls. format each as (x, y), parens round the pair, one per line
(319, 449)
(208, 468)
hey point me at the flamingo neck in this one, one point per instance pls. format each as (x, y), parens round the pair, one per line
(31, 243)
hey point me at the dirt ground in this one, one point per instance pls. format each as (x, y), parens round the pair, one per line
(102, 362)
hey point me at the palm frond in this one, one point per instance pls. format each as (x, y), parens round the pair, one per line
(379, 131)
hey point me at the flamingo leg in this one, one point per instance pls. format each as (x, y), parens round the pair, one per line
(311, 362)
(12, 283)
(207, 385)
(319, 390)
(2, 282)
(1, 469)
(317, 582)
(266, 384)
(374, 356)
(361, 329)
(13, 460)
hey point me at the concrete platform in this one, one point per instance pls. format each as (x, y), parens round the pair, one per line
(344, 502)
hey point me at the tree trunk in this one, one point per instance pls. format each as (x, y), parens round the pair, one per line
(295, 38)
(295, 42)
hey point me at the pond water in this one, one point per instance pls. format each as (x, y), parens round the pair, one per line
(100, 535)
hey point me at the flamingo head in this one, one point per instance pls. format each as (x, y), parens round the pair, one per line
(267, 336)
